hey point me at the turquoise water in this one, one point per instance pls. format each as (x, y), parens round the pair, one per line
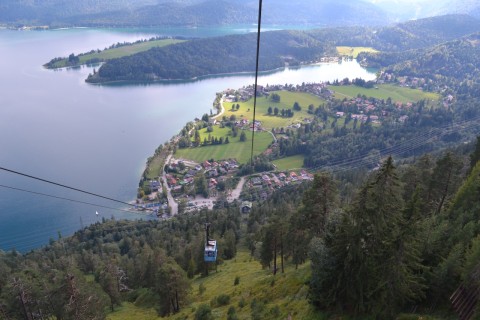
(55, 126)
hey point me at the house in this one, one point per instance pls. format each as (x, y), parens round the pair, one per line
(246, 207)
(154, 185)
(256, 181)
(212, 173)
(207, 165)
(172, 181)
(212, 183)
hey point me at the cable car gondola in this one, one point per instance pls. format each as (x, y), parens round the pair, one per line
(210, 246)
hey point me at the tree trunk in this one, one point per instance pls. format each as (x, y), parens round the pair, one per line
(281, 253)
(274, 255)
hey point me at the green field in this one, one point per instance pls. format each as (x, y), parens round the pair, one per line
(287, 99)
(288, 163)
(385, 91)
(353, 51)
(282, 294)
(235, 149)
(121, 51)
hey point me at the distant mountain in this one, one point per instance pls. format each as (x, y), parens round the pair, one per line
(190, 12)
(416, 9)
(324, 13)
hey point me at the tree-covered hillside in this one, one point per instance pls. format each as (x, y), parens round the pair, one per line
(237, 53)
(406, 242)
(203, 57)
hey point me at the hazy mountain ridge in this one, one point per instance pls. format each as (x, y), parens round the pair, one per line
(417, 9)
(190, 12)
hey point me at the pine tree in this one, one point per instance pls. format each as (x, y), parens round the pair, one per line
(372, 254)
(319, 202)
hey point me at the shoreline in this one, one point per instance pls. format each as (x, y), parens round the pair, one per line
(213, 75)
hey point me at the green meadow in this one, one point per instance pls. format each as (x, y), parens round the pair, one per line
(240, 151)
(384, 91)
(120, 51)
(287, 99)
(288, 163)
(277, 296)
(354, 51)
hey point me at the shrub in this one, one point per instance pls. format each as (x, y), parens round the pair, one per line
(232, 314)
(204, 312)
(223, 299)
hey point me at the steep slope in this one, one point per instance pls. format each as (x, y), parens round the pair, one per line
(457, 59)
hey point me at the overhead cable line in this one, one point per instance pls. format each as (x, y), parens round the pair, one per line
(256, 76)
(405, 146)
(68, 187)
(62, 198)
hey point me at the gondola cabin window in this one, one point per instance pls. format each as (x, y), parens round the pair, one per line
(210, 251)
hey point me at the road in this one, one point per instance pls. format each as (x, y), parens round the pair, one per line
(171, 202)
(221, 112)
(235, 194)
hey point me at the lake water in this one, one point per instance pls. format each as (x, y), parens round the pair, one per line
(55, 126)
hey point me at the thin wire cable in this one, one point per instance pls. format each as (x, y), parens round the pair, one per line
(256, 76)
(406, 146)
(65, 186)
(62, 198)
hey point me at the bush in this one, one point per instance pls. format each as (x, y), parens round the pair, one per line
(201, 289)
(204, 312)
(236, 281)
(223, 299)
(242, 303)
(232, 314)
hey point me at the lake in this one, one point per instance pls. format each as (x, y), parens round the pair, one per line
(55, 126)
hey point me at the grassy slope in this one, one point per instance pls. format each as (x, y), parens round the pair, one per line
(286, 102)
(384, 91)
(235, 149)
(241, 150)
(289, 163)
(354, 51)
(121, 51)
(288, 292)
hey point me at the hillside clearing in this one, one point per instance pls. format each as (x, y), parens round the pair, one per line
(385, 91)
(234, 150)
(354, 51)
(289, 163)
(287, 99)
(276, 296)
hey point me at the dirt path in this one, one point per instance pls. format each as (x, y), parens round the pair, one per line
(171, 201)
(236, 192)
(221, 111)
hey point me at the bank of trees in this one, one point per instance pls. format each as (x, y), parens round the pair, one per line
(100, 266)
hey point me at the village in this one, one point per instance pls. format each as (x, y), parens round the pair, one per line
(187, 186)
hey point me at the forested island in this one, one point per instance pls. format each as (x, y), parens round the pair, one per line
(116, 50)
(234, 54)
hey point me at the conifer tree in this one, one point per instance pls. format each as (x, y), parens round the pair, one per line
(372, 253)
